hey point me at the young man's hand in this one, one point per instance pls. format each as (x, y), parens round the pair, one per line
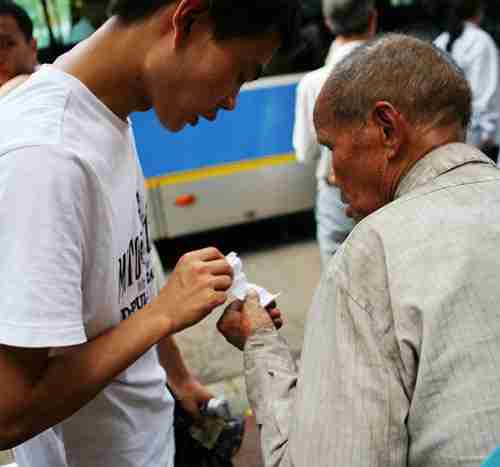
(197, 285)
(240, 320)
(191, 395)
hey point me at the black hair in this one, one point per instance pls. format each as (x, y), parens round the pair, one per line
(232, 18)
(9, 8)
(348, 17)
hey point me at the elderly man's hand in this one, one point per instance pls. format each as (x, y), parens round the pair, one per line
(242, 319)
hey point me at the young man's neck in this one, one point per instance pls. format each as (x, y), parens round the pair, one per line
(110, 64)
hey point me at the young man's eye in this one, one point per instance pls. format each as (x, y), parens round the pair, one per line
(7, 44)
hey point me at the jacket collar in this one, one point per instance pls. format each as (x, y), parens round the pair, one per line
(438, 162)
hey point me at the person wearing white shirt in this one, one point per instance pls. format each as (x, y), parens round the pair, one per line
(18, 52)
(84, 338)
(353, 22)
(474, 50)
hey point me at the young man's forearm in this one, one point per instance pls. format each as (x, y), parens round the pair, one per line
(38, 392)
(171, 359)
(72, 379)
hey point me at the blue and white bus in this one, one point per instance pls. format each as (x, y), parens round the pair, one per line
(238, 169)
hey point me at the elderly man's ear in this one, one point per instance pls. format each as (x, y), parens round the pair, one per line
(392, 127)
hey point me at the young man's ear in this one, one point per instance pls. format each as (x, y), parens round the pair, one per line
(186, 13)
(390, 124)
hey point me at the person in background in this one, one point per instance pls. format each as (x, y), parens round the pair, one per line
(353, 22)
(81, 25)
(401, 359)
(86, 346)
(475, 52)
(18, 47)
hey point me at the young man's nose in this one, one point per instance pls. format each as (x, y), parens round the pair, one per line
(229, 103)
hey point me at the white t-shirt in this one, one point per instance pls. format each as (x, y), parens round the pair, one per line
(305, 140)
(76, 259)
(477, 55)
(45, 450)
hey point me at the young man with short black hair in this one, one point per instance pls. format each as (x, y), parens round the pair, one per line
(80, 324)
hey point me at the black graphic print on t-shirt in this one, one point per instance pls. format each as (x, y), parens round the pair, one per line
(135, 267)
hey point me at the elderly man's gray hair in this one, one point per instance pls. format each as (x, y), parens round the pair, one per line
(421, 81)
(348, 17)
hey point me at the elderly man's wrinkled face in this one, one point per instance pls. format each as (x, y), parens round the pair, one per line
(17, 55)
(359, 163)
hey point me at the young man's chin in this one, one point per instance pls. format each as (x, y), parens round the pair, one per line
(171, 126)
(4, 78)
(176, 128)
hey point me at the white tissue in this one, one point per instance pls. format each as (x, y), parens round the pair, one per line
(241, 286)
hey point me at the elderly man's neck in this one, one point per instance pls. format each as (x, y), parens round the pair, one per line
(420, 144)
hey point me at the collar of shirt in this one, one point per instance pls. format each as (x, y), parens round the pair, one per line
(437, 162)
(338, 51)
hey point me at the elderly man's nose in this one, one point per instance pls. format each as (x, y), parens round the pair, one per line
(331, 178)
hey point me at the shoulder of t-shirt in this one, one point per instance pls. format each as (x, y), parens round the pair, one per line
(314, 80)
(442, 40)
(479, 39)
(40, 106)
(50, 164)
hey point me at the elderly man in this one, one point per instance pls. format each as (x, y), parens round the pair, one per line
(401, 359)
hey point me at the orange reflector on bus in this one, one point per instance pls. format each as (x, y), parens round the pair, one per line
(185, 200)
